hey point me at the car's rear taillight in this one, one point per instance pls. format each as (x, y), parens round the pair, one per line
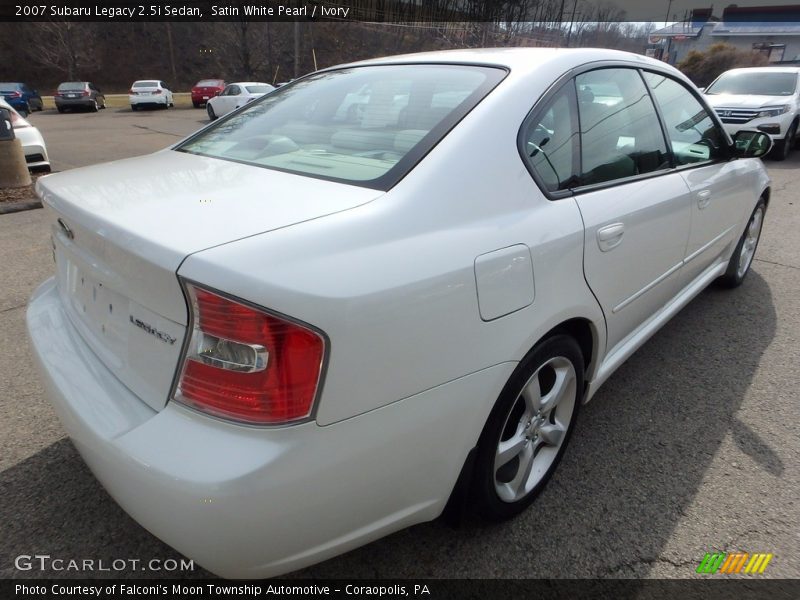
(157, 92)
(248, 365)
(16, 94)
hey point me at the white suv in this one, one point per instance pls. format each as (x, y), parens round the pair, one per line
(763, 98)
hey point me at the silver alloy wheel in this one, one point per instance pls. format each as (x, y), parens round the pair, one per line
(750, 241)
(534, 429)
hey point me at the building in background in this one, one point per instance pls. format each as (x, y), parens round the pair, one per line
(771, 30)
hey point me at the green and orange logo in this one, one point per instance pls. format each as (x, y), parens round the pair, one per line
(734, 562)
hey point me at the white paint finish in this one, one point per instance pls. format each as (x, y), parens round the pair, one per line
(722, 200)
(638, 276)
(756, 102)
(504, 280)
(391, 280)
(30, 137)
(275, 499)
(227, 102)
(143, 216)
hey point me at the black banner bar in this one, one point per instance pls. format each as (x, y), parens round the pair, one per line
(431, 589)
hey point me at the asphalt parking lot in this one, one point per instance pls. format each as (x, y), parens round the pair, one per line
(692, 446)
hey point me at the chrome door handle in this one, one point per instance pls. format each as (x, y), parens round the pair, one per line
(610, 236)
(703, 199)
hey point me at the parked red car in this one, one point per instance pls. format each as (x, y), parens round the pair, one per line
(205, 89)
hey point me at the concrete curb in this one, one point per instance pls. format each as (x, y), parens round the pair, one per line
(13, 207)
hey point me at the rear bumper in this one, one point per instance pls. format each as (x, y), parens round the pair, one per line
(33, 146)
(68, 102)
(249, 502)
(146, 100)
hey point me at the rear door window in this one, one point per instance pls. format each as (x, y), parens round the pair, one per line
(621, 134)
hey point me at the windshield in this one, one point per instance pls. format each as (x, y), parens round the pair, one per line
(71, 85)
(759, 84)
(209, 83)
(259, 89)
(139, 84)
(364, 125)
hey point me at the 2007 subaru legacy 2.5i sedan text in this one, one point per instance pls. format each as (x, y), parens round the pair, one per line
(318, 317)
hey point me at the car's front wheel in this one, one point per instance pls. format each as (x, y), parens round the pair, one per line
(211, 114)
(742, 258)
(528, 428)
(784, 147)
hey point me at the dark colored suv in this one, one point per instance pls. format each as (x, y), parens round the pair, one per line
(21, 97)
(79, 94)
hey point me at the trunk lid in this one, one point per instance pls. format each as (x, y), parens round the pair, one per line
(121, 230)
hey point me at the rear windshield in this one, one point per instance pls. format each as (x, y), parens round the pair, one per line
(9, 87)
(364, 125)
(145, 84)
(71, 85)
(764, 84)
(259, 89)
(209, 83)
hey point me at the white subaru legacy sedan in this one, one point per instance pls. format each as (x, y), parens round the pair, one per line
(307, 326)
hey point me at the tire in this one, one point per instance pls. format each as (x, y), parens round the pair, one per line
(196, 104)
(785, 146)
(94, 107)
(25, 111)
(60, 109)
(529, 426)
(211, 114)
(742, 259)
(134, 108)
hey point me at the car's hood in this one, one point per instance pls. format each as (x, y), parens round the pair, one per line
(170, 204)
(745, 101)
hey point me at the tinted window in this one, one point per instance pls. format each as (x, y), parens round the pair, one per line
(259, 89)
(208, 83)
(693, 135)
(366, 125)
(550, 141)
(145, 84)
(754, 83)
(620, 132)
(233, 90)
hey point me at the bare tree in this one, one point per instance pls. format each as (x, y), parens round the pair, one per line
(65, 46)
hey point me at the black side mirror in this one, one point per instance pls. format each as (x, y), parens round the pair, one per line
(751, 144)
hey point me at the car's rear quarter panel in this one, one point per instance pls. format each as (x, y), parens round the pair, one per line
(392, 283)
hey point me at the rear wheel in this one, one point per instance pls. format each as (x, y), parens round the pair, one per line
(134, 107)
(94, 107)
(211, 114)
(528, 428)
(60, 109)
(739, 264)
(196, 104)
